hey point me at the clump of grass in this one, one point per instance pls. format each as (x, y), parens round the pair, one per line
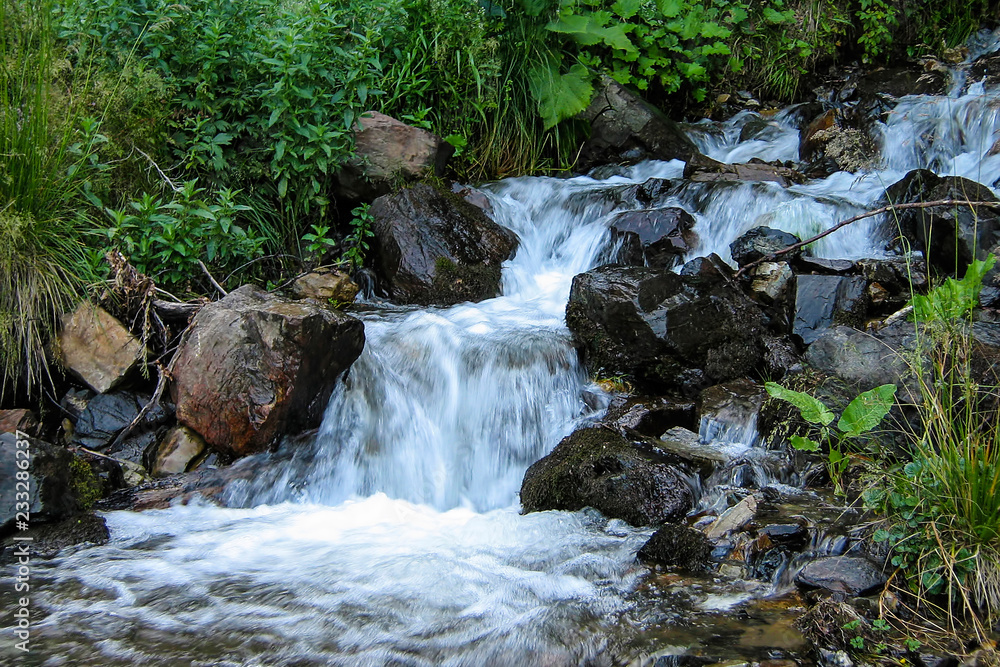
(47, 155)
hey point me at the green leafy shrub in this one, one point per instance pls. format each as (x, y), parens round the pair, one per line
(168, 238)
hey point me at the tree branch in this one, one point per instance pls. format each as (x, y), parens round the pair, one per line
(869, 214)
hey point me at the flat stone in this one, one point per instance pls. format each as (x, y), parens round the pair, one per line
(179, 449)
(851, 575)
(822, 265)
(685, 448)
(733, 519)
(333, 286)
(97, 348)
(822, 301)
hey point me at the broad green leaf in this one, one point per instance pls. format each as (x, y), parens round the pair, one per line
(774, 17)
(804, 444)
(813, 410)
(616, 37)
(670, 8)
(711, 29)
(866, 411)
(626, 9)
(559, 96)
(584, 29)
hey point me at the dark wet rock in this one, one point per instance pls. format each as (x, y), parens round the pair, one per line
(107, 415)
(665, 235)
(678, 546)
(97, 348)
(753, 127)
(728, 408)
(893, 281)
(831, 144)
(255, 365)
(810, 147)
(649, 416)
(664, 329)
(18, 420)
(792, 535)
(825, 301)
(597, 467)
(864, 360)
(474, 196)
(896, 82)
(387, 152)
(433, 247)
(74, 402)
(824, 266)
(702, 169)
(761, 242)
(986, 69)
(850, 575)
(649, 194)
(780, 357)
(624, 129)
(949, 236)
(49, 485)
(625, 250)
(48, 539)
(106, 476)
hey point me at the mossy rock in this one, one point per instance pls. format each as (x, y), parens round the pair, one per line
(680, 546)
(597, 467)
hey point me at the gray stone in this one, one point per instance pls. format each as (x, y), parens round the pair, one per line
(823, 301)
(760, 242)
(48, 480)
(770, 280)
(864, 360)
(850, 575)
(665, 235)
(106, 415)
(733, 518)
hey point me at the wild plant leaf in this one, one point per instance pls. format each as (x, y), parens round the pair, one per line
(953, 299)
(803, 444)
(559, 96)
(670, 8)
(812, 409)
(626, 9)
(866, 410)
(584, 29)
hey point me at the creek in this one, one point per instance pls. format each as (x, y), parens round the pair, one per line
(395, 538)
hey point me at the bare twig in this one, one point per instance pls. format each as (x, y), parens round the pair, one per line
(166, 179)
(211, 279)
(869, 214)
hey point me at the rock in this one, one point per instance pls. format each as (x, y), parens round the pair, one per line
(434, 247)
(896, 82)
(18, 420)
(624, 129)
(811, 140)
(702, 169)
(49, 482)
(665, 329)
(74, 402)
(792, 535)
(949, 236)
(106, 415)
(665, 235)
(864, 360)
(682, 447)
(823, 301)
(780, 357)
(255, 366)
(97, 348)
(733, 518)
(178, 452)
(48, 539)
(333, 286)
(850, 575)
(760, 242)
(769, 281)
(680, 546)
(824, 266)
(387, 152)
(649, 415)
(474, 196)
(598, 468)
(985, 68)
(728, 412)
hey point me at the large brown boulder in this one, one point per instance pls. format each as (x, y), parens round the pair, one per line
(598, 468)
(625, 129)
(388, 151)
(666, 330)
(256, 365)
(433, 247)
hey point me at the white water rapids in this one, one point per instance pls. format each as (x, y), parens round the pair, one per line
(396, 538)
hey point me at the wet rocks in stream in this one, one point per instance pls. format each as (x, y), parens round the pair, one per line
(597, 467)
(433, 247)
(255, 366)
(106, 416)
(662, 236)
(677, 545)
(663, 329)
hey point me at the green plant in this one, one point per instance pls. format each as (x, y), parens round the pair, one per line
(356, 242)
(49, 175)
(317, 241)
(169, 239)
(877, 18)
(862, 414)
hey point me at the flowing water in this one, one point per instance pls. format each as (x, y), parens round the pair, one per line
(395, 538)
